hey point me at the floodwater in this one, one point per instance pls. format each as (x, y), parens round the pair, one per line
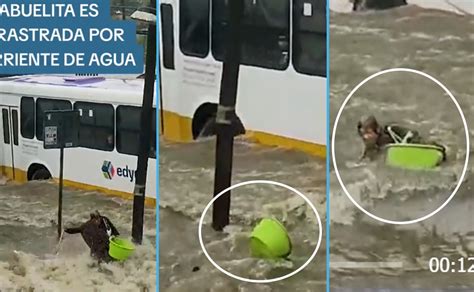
(32, 260)
(186, 187)
(442, 45)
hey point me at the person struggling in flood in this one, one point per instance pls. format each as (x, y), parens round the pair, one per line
(96, 232)
(375, 137)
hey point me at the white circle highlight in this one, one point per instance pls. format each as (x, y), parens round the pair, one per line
(265, 281)
(333, 152)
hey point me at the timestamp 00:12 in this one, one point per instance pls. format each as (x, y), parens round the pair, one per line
(447, 265)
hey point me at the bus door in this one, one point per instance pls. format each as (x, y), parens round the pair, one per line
(8, 139)
(168, 77)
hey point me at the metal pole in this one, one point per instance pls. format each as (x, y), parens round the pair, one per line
(162, 118)
(225, 118)
(60, 200)
(145, 135)
(123, 9)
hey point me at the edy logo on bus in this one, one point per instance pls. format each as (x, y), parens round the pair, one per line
(109, 171)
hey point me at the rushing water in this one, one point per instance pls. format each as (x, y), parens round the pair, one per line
(32, 260)
(186, 187)
(442, 45)
(438, 43)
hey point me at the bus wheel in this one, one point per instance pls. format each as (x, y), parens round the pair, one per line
(203, 123)
(41, 174)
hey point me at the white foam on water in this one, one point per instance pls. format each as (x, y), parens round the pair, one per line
(79, 272)
(28, 214)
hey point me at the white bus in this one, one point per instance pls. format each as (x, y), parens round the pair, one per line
(282, 84)
(110, 111)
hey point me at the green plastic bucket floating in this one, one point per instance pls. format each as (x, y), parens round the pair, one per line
(414, 156)
(120, 249)
(269, 239)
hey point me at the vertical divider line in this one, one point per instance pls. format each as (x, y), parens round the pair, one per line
(328, 149)
(157, 148)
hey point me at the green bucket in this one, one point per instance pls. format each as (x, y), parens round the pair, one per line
(120, 249)
(269, 239)
(414, 156)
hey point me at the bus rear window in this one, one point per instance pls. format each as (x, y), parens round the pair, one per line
(309, 37)
(128, 130)
(167, 34)
(265, 32)
(15, 126)
(96, 125)
(194, 27)
(6, 126)
(27, 115)
(43, 105)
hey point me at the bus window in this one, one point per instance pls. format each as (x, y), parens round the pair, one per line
(265, 32)
(309, 37)
(128, 130)
(43, 105)
(6, 127)
(167, 30)
(96, 125)
(194, 27)
(27, 111)
(15, 126)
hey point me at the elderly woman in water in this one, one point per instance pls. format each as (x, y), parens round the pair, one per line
(375, 137)
(96, 233)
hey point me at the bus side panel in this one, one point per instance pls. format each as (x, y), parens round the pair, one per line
(286, 103)
(84, 168)
(107, 170)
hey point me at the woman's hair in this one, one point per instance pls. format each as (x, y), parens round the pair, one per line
(368, 122)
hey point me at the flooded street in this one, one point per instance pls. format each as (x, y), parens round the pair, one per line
(365, 254)
(437, 43)
(28, 242)
(186, 187)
